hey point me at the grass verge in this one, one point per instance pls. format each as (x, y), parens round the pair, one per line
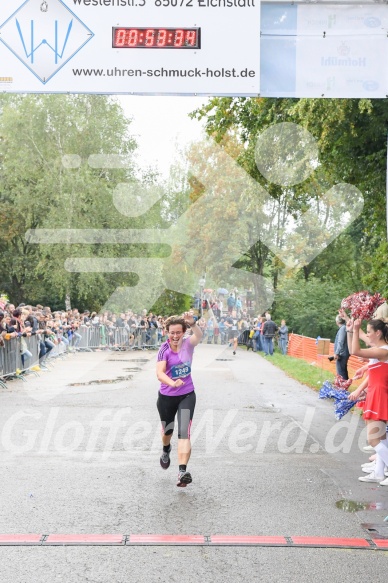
(303, 372)
(300, 370)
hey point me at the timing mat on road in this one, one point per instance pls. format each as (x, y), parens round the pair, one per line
(191, 540)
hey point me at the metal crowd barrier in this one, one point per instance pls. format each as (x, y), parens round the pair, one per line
(60, 349)
(83, 344)
(14, 361)
(103, 337)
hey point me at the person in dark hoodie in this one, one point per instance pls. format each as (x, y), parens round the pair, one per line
(269, 331)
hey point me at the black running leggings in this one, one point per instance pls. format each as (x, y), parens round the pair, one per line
(168, 407)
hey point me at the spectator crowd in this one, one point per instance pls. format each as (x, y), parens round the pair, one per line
(220, 321)
(66, 327)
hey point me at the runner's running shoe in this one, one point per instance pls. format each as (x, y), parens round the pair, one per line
(165, 459)
(184, 478)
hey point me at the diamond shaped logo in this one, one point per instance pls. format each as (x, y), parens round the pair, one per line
(44, 36)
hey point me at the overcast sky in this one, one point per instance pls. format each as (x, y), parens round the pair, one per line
(159, 124)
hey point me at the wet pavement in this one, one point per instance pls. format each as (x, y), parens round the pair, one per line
(79, 454)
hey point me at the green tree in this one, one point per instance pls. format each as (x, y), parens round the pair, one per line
(351, 135)
(310, 307)
(39, 190)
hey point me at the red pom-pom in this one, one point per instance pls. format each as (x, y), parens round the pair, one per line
(362, 305)
(340, 383)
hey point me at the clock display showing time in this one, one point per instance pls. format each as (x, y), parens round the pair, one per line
(156, 38)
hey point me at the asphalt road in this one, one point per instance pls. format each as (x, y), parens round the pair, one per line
(79, 454)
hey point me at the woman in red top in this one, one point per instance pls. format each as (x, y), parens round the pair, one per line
(376, 404)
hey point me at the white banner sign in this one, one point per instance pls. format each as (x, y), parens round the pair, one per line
(357, 20)
(324, 51)
(347, 57)
(341, 67)
(130, 46)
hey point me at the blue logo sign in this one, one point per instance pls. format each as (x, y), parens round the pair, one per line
(44, 37)
(372, 22)
(370, 85)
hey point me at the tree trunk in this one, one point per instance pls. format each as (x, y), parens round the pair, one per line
(67, 302)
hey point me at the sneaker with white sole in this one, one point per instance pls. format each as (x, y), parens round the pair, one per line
(368, 470)
(165, 459)
(371, 465)
(368, 448)
(368, 463)
(372, 478)
(184, 478)
(384, 482)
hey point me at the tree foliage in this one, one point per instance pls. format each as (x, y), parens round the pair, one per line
(38, 191)
(47, 182)
(351, 136)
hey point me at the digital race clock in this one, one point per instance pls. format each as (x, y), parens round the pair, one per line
(156, 38)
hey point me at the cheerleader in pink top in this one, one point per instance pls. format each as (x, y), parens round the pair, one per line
(376, 404)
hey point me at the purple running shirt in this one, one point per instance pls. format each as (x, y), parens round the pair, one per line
(178, 365)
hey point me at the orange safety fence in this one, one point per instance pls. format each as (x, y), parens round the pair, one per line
(306, 349)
